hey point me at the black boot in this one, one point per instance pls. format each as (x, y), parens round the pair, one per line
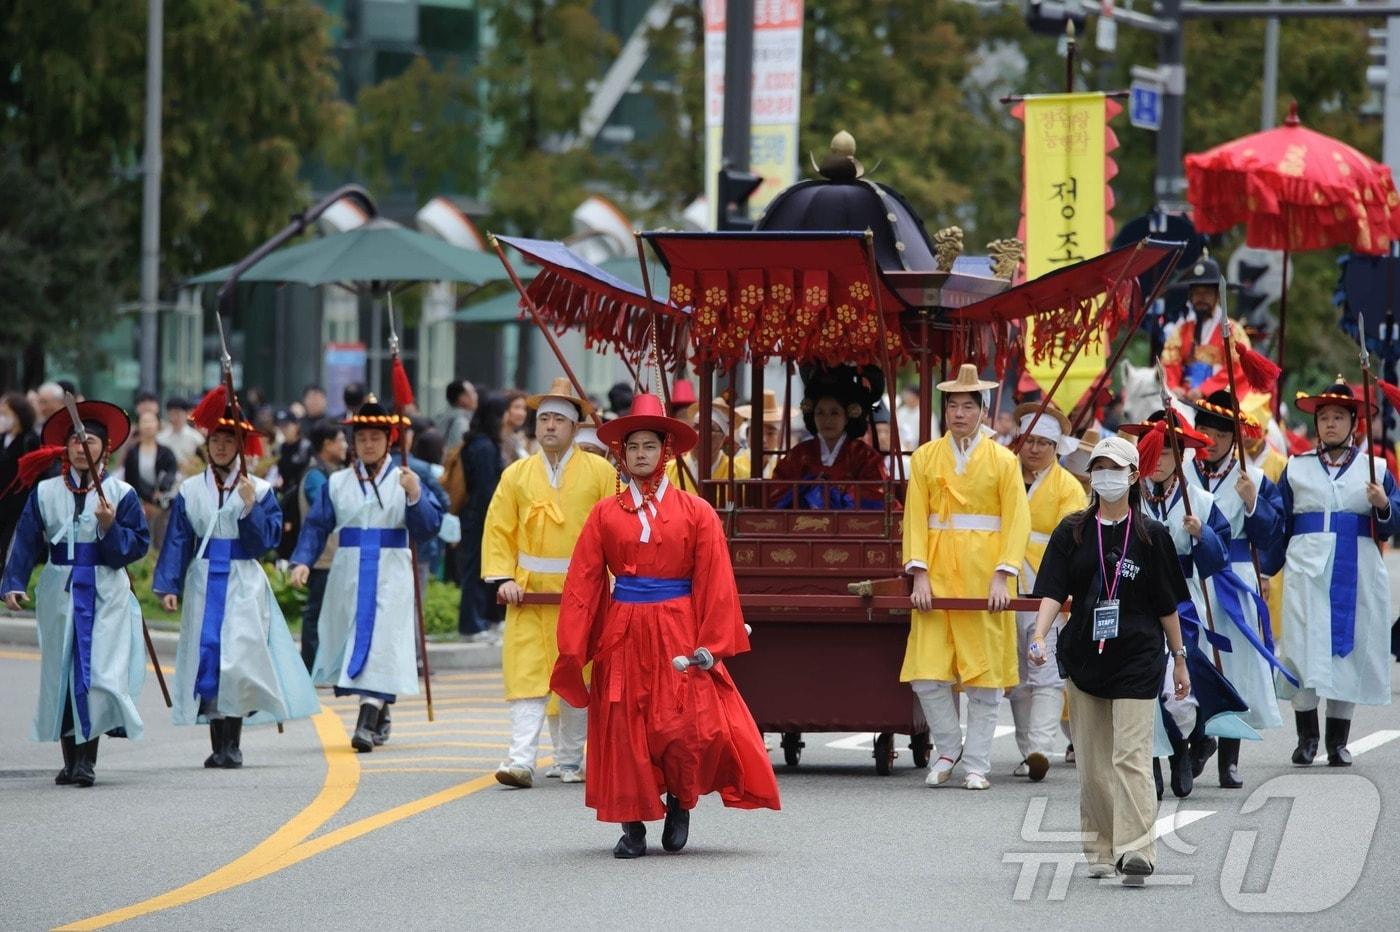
(381, 731)
(1183, 779)
(1157, 776)
(363, 739)
(1202, 747)
(233, 731)
(85, 763)
(1306, 750)
(677, 830)
(65, 776)
(216, 741)
(1229, 764)
(633, 843)
(1338, 730)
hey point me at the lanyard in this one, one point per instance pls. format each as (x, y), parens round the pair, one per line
(1111, 589)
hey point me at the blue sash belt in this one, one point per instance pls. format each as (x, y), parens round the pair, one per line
(220, 552)
(1239, 550)
(648, 589)
(1347, 527)
(1230, 590)
(82, 585)
(369, 540)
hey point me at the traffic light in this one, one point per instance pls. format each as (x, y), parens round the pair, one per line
(735, 188)
(1047, 17)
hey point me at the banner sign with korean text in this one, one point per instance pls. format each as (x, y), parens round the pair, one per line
(1066, 202)
(777, 94)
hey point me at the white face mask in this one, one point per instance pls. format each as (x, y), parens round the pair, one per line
(1111, 484)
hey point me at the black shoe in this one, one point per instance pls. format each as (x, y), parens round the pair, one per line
(233, 731)
(85, 763)
(633, 843)
(363, 738)
(1157, 776)
(1228, 764)
(65, 776)
(677, 830)
(1306, 750)
(381, 731)
(1338, 730)
(216, 741)
(1201, 750)
(1183, 778)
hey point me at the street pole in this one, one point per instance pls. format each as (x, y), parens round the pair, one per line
(1268, 103)
(1171, 181)
(1390, 145)
(735, 143)
(150, 197)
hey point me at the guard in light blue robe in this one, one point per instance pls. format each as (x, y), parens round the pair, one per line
(236, 658)
(368, 637)
(93, 661)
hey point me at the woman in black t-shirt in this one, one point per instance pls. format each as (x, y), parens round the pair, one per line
(1119, 570)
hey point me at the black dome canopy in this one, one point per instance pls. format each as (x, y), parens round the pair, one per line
(842, 200)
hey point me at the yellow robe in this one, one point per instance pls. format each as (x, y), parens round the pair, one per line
(1056, 495)
(962, 526)
(718, 474)
(1272, 462)
(529, 521)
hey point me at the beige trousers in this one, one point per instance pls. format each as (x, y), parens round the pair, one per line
(1117, 796)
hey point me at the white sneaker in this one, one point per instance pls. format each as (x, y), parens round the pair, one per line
(515, 775)
(1099, 871)
(570, 775)
(1022, 770)
(977, 781)
(941, 770)
(553, 773)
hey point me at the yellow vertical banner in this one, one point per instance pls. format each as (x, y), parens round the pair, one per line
(1065, 212)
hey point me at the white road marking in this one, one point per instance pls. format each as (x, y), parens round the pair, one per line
(865, 741)
(1372, 741)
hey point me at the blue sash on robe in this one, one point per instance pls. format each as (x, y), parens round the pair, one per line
(369, 541)
(649, 589)
(82, 585)
(220, 552)
(1348, 527)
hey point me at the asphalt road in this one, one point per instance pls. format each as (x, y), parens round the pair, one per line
(418, 835)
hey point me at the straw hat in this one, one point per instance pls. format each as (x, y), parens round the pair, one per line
(967, 381)
(563, 390)
(719, 414)
(772, 411)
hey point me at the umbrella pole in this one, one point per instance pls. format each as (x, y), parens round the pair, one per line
(1282, 330)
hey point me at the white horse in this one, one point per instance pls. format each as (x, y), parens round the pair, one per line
(1142, 393)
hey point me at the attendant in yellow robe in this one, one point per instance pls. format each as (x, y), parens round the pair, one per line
(532, 524)
(725, 451)
(1053, 493)
(966, 521)
(1260, 453)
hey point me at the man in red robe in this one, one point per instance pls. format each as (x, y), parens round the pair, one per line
(1193, 347)
(655, 728)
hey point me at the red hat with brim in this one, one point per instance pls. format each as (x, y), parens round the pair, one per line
(112, 418)
(1190, 438)
(1341, 395)
(683, 393)
(648, 413)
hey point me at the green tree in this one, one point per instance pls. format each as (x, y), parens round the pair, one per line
(248, 89)
(536, 76)
(418, 128)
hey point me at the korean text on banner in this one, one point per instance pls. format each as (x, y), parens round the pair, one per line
(1065, 205)
(777, 94)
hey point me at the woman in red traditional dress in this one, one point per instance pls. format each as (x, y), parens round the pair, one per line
(836, 409)
(655, 726)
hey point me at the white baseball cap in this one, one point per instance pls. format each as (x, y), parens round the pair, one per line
(1117, 449)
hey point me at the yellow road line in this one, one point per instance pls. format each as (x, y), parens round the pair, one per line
(19, 654)
(342, 778)
(430, 770)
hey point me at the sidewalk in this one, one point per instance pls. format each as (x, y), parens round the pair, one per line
(19, 630)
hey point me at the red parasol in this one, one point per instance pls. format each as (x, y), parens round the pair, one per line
(1294, 189)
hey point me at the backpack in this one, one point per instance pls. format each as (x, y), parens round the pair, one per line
(454, 479)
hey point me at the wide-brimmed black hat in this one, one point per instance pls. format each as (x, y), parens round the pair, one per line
(1204, 271)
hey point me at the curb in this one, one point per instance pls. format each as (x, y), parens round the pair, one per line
(19, 630)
